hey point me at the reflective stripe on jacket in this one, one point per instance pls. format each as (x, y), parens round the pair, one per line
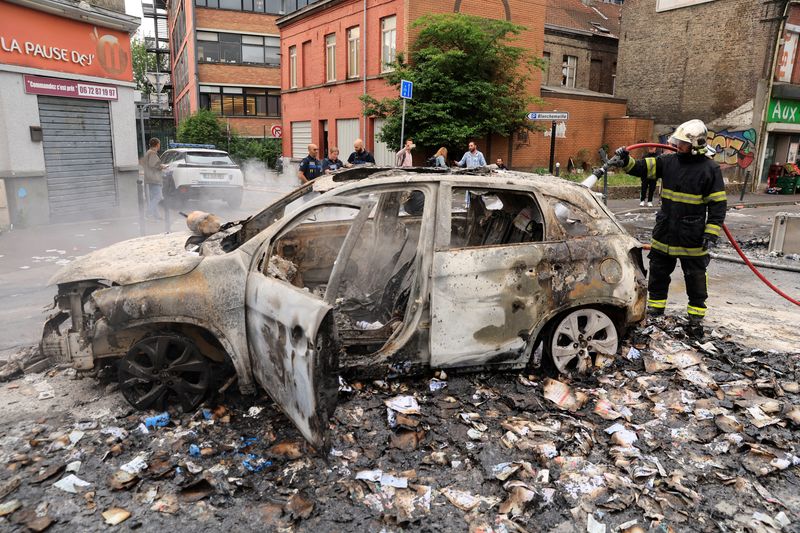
(693, 201)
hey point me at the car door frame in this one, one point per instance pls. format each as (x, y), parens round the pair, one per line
(478, 343)
(292, 339)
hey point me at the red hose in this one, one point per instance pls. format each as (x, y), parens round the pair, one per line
(754, 269)
(727, 232)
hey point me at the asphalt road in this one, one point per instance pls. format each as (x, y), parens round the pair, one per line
(29, 257)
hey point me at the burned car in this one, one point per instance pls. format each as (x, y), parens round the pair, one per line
(395, 273)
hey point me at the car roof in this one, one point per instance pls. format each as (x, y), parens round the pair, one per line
(209, 150)
(357, 177)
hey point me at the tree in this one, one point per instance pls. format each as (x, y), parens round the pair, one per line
(142, 62)
(470, 81)
(203, 127)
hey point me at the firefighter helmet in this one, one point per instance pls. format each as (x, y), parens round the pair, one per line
(693, 132)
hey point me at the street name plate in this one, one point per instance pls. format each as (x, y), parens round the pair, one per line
(548, 115)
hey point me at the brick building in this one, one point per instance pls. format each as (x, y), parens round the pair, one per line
(706, 59)
(226, 58)
(336, 50)
(580, 45)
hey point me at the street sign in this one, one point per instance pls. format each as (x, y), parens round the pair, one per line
(406, 89)
(277, 131)
(548, 115)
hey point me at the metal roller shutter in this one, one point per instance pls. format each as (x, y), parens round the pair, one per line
(301, 138)
(383, 155)
(77, 155)
(346, 134)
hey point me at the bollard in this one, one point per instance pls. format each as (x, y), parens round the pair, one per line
(744, 185)
(141, 192)
(558, 169)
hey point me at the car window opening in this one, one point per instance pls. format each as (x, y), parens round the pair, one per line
(494, 217)
(375, 285)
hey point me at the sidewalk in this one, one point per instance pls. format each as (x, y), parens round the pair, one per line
(750, 200)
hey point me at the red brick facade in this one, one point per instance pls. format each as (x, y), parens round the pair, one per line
(187, 99)
(315, 101)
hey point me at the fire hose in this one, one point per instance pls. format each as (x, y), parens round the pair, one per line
(599, 172)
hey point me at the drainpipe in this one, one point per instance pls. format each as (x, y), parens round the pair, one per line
(364, 72)
(770, 84)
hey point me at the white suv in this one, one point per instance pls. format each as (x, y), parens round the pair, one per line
(200, 172)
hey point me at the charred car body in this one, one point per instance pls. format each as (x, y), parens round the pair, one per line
(395, 273)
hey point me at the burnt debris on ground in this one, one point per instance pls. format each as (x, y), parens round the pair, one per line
(676, 433)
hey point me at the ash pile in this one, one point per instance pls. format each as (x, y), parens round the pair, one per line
(674, 434)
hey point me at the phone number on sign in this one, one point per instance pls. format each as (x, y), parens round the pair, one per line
(94, 90)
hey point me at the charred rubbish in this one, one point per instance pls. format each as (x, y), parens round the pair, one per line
(675, 434)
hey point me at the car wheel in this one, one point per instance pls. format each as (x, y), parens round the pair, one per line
(164, 369)
(578, 336)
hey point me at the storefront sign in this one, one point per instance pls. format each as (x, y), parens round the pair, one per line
(69, 88)
(786, 57)
(784, 111)
(65, 46)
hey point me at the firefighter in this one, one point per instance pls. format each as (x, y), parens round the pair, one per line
(692, 213)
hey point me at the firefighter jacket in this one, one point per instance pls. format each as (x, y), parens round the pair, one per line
(693, 202)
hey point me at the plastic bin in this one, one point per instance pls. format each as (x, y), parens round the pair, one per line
(787, 184)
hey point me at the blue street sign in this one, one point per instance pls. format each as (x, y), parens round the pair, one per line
(548, 115)
(406, 89)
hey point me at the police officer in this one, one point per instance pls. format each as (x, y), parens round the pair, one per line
(310, 166)
(692, 213)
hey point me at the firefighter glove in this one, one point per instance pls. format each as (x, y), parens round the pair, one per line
(709, 242)
(622, 156)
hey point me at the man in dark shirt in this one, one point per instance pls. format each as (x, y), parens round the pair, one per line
(332, 162)
(310, 167)
(360, 156)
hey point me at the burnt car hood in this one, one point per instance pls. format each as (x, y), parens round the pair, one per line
(133, 261)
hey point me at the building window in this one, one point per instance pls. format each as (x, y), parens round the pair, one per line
(330, 57)
(568, 71)
(388, 43)
(274, 7)
(353, 49)
(217, 47)
(180, 76)
(178, 31)
(546, 68)
(240, 101)
(292, 67)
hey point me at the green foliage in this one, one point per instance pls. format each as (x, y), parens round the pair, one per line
(266, 150)
(470, 81)
(204, 127)
(142, 62)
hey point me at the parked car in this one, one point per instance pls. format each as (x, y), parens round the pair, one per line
(201, 173)
(398, 272)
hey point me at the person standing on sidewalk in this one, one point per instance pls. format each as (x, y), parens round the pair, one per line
(359, 156)
(693, 206)
(472, 158)
(648, 185)
(403, 158)
(310, 167)
(332, 162)
(153, 178)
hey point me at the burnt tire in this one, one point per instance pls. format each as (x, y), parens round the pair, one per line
(164, 369)
(575, 337)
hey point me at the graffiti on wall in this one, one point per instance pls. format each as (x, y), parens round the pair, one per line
(733, 148)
